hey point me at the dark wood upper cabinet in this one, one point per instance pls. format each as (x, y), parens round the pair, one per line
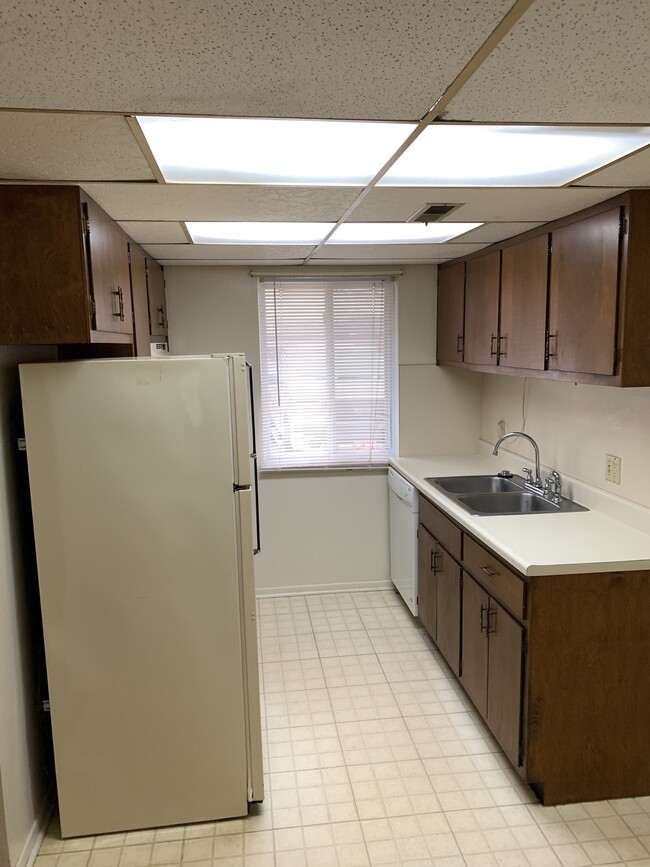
(589, 297)
(583, 294)
(482, 309)
(451, 311)
(141, 335)
(524, 281)
(65, 275)
(157, 300)
(107, 251)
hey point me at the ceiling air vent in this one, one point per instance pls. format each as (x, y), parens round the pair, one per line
(431, 213)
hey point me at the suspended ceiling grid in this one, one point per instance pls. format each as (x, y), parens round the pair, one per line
(564, 60)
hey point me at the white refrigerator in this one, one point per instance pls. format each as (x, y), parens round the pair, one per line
(141, 481)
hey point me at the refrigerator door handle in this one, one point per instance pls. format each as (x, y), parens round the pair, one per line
(258, 544)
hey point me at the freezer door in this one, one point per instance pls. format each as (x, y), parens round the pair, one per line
(139, 556)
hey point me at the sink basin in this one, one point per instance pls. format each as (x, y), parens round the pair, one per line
(497, 495)
(476, 484)
(507, 503)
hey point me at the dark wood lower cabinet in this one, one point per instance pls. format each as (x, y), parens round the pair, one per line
(505, 644)
(448, 600)
(427, 546)
(474, 675)
(555, 664)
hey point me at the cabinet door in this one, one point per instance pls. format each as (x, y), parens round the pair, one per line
(583, 295)
(108, 259)
(474, 671)
(44, 295)
(504, 679)
(448, 609)
(524, 279)
(482, 309)
(139, 300)
(451, 313)
(427, 549)
(157, 301)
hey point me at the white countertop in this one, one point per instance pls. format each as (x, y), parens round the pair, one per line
(535, 544)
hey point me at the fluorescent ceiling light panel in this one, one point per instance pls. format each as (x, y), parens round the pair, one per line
(398, 233)
(258, 233)
(204, 150)
(482, 155)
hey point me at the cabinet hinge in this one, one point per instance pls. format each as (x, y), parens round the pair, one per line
(615, 358)
(85, 225)
(129, 255)
(22, 444)
(623, 225)
(93, 306)
(146, 271)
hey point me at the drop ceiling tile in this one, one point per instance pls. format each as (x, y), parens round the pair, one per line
(161, 202)
(396, 252)
(284, 58)
(154, 232)
(481, 205)
(633, 171)
(492, 232)
(63, 147)
(218, 252)
(587, 61)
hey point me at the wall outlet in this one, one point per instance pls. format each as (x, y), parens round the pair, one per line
(501, 427)
(613, 469)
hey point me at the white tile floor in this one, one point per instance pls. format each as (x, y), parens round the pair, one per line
(374, 756)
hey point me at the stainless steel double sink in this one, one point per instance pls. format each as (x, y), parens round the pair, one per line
(500, 495)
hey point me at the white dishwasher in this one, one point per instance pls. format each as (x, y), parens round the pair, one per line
(403, 505)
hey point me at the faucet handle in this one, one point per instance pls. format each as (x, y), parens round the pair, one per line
(529, 474)
(557, 482)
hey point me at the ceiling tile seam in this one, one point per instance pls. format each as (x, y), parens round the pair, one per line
(471, 67)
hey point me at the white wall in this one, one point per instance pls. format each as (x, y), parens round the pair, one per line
(575, 426)
(23, 733)
(439, 407)
(330, 530)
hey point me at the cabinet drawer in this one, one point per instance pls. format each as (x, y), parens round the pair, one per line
(444, 530)
(497, 579)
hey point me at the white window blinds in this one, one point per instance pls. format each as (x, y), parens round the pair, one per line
(326, 357)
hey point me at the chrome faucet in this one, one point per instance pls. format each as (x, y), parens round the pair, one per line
(537, 482)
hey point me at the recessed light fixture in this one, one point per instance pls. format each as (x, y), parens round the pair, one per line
(205, 150)
(484, 155)
(398, 233)
(258, 233)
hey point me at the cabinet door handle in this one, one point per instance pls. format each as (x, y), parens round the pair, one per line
(120, 300)
(435, 567)
(500, 351)
(459, 344)
(494, 340)
(161, 310)
(489, 572)
(548, 354)
(484, 608)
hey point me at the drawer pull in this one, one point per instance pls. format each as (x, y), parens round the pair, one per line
(489, 572)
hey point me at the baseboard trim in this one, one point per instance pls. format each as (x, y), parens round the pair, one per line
(36, 833)
(310, 589)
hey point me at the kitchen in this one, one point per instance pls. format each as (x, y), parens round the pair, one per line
(215, 307)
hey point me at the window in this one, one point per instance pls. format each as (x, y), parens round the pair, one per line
(326, 372)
